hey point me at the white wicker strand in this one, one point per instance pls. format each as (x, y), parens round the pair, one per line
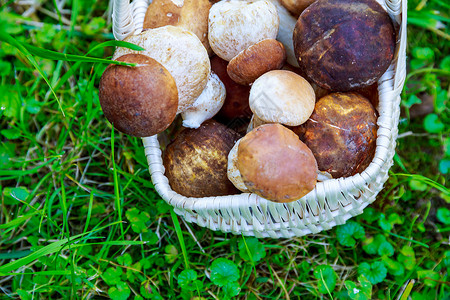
(330, 203)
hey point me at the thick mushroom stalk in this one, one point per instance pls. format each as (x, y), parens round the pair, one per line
(236, 25)
(207, 104)
(181, 53)
(233, 172)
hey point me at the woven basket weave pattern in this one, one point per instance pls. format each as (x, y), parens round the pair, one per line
(331, 203)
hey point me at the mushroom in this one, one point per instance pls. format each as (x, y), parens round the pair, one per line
(233, 172)
(275, 164)
(235, 107)
(282, 97)
(287, 25)
(342, 46)
(207, 104)
(341, 133)
(296, 7)
(139, 101)
(181, 53)
(196, 161)
(251, 63)
(191, 15)
(235, 25)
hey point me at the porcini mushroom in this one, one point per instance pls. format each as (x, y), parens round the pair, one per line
(282, 97)
(233, 172)
(251, 63)
(341, 133)
(344, 46)
(234, 25)
(196, 161)
(191, 15)
(181, 53)
(275, 164)
(140, 101)
(207, 104)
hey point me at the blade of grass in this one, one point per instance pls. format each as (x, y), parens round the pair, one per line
(177, 226)
(49, 249)
(116, 184)
(88, 218)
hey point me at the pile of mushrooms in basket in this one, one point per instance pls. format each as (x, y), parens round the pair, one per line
(274, 95)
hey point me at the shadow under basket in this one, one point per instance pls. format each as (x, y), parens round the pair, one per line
(331, 203)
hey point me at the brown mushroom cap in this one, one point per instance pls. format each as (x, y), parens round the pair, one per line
(343, 46)
(275, 164)
(196, 161)
(262, 57)
(296, 7)
(341, 133)
(140, 101)
(192, 15)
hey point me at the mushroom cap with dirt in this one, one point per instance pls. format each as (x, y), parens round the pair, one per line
(275, 164)
(181, 53)
(141, 100)
(236, 25)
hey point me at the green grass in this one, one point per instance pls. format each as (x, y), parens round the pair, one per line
(79, 217)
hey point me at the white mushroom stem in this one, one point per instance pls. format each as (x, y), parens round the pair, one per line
(207, 104)
(287, 24)
(233, 172)
(255, 122)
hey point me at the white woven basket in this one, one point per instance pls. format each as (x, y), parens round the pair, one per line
(331, 203)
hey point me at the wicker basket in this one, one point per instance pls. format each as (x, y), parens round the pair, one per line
(331, 203)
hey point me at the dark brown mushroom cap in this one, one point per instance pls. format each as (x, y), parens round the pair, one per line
(140, 101)
(341, 133)
(275, 164)
(344, 45)
(262, 57)
(196, 161)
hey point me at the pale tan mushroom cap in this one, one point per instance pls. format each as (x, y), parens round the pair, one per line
(236, 25)
(181, 53)
(207, 104)
(282, 97)
(233, 173)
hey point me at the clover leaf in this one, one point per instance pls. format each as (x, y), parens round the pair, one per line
(171, 253)
(443, 215)
(349, 232)
(386, 249)
(250, 249)
(137, 219)
(120, 292)
(188, 280)
(363, 291)
(232, 289)
(125, 260)
(369, 215)
(375, 272)
(327, 278)
(223, 272)
(395, 268)
(388, 224)
(372, 244)
(430, 277)
(112, 276)
(433, 124)
(407, 257)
